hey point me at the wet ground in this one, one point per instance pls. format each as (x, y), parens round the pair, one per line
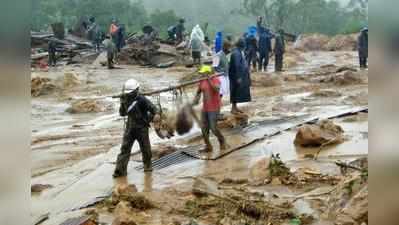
(75, 153)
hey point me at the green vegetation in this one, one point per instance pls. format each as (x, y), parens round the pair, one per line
(231, 16)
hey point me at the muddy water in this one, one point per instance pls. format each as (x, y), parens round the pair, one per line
(79, 181)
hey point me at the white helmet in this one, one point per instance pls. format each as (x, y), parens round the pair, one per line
(131, 85)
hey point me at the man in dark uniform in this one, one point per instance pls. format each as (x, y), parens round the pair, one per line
(140, 112)
(265, 47)
(251, 50)
(279, 50)
(180, 29)
(52, 50)
(363, 47)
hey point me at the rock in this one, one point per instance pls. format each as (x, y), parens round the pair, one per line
(41, 86)
(323, 133)
(38, 188)
(276, 181)
(123, 214)
(71, 80)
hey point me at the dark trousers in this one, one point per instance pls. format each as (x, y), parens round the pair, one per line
(279, 62)
(52, 60)
(110, 60)
(263, 60)
(363, 62)
(252, 59)
(140, 135)
(209, 123)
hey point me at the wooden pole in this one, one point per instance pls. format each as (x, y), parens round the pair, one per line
(171, 88)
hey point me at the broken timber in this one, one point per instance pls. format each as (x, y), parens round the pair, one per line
(171, 88)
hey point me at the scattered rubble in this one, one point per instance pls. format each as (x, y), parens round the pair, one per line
(41, 86)
(326, 93)
(318, 135)
(348, 78)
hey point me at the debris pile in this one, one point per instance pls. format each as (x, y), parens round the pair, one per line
(67, 48)
(148, 51)
(342, 43)
(321, 134)
(312, 42)
(321, 42)
(41, 86)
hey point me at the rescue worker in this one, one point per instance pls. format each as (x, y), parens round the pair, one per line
(180, 29)
(363, 47)
(111, 51)
(279, 50)
(140, 112)
(52, 51)
(172, 33)
(239, 76)
(265, 48)
(196, 49)
(212, 103)
(94, 34)
(113, 31)
(251, 50)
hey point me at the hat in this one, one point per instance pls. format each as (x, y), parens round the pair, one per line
(131, 85)
(205, 70)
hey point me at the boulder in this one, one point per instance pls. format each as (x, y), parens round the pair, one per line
(41, 86)
(321, 134)
(123, 214)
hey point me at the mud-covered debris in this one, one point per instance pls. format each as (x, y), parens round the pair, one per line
(71, 80)
(346, 68)
(342, 43)
(93, 214)
(356, 210)
(349, 78)
(233, 120)
(277, 167)
(41, 86)
(266, 80)
(88, 106)
(123, 214)
(321, 134)
(361, 98)
(125, 189)
(84, 220)
(348, 203)
(38, 188)
(312, 42)
(184, 122)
